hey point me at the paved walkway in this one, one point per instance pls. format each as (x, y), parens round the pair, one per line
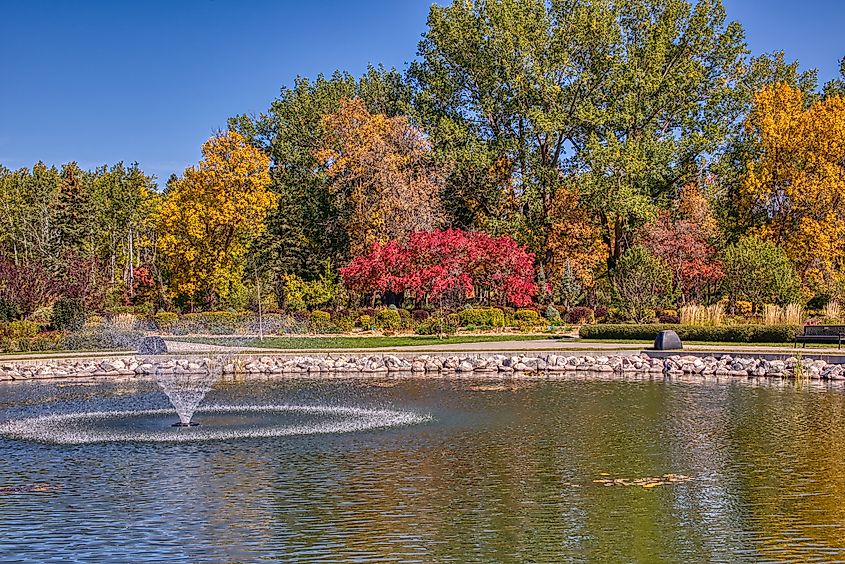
(539, 344)
(546, 345)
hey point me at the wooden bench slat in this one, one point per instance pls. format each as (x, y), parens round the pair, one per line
(822, 334)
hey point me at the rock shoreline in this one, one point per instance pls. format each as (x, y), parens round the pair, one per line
(421, 364)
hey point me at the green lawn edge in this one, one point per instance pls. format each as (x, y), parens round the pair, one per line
(373, 342)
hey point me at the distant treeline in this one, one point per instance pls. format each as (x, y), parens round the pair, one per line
(628, 148)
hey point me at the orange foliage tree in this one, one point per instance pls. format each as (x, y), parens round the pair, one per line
(382, 169)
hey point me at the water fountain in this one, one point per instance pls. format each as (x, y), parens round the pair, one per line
(186, 382)
(186, 387)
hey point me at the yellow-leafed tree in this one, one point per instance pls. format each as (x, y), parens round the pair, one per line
(210, 215)
(795, 189)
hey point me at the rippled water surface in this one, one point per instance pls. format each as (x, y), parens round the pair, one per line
(480, 471)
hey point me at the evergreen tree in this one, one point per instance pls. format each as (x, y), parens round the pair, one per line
(568, 291)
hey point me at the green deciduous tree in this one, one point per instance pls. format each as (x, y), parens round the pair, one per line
(760, 272)
(303, 231)
(627, 97)
(643, 283)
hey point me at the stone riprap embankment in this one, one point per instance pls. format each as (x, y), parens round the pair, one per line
(448, 364)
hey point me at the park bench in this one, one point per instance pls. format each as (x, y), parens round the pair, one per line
(822, 334)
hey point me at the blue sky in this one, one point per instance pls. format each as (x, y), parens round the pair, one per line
(104, 81)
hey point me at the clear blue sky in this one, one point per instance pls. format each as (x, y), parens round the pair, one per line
(104, 81)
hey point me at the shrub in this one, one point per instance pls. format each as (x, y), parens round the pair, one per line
(8, 345)
(388, 319)
(706, 333)
(743, 308)
(616, 315)
(344, 324)
(93, 321)
(68, 314)
(165, 320)
(47, 341)
(526, 319)
(436, 325)
(278, 324)
(527, 316)
(300, 294)
(405, 318)
(601, 313)
(321, 317)
(669, 319)
(580, 315)
(42, 315)
(481, 316)
(365, 321)
(8, 310)
(322, 321)
(215, 323)
(19, 329)
(419, 315)
(551, 314)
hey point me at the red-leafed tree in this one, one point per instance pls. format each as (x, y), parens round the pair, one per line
(24, 288)
(432, 264)
(683, 242)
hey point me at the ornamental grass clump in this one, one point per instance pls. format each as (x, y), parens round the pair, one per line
(832, 311)
(792, 314)
(123, 321)
(702, 315)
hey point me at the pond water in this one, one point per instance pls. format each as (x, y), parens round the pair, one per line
(470, 471)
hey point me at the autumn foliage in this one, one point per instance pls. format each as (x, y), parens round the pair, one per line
(209, 216)
(431, 264)
(381, 170)
(795, 189)
(683, 241)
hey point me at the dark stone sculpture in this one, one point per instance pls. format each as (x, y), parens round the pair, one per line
(152, 345)
(667, 341)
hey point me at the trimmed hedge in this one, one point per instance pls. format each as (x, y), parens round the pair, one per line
(433, 327)
(96, 340)
(706, 333)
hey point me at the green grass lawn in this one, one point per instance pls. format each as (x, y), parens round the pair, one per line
(371, 342)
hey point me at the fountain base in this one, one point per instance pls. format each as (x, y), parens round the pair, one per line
(180, 424)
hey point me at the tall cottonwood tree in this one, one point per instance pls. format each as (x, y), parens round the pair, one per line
(624, 96)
